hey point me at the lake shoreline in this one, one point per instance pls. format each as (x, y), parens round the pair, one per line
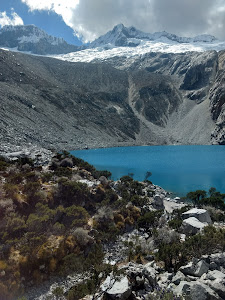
(177, 169)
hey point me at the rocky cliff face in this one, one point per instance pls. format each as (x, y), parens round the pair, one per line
(217, 103)
(154, 99)
(196, 91)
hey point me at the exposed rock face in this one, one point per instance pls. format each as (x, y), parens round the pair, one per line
(201, 214)
(118, 290)
(32, 38)
(217, 100)
(192, 225)
(195, 269)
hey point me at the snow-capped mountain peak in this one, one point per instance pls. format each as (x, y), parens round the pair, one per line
(121, 36)
(33, 39)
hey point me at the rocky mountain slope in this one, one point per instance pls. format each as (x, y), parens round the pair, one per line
(33, 39)
(154, 99)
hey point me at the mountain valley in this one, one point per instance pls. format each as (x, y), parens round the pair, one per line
(148, 99)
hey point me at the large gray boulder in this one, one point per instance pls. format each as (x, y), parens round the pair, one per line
(183, 288)
(213, 275)
(201, 214)
(195, 268)
(178, 278)
(158, 201)
(196, 291)
(116, 289)
(192, 226)
(216, 281)
(201, 268)
(218, 259)
(200, 291)
(150, 273)
(103, 180)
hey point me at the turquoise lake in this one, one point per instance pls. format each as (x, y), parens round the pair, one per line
(178, 169)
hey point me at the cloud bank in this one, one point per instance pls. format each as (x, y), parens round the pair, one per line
(13, 19)
(92, 18)
(63, 8)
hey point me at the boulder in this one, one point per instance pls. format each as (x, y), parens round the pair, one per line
(218, 258)
(201, 268)
(192, 226)
(103, 180)
(158, 201)
(66, 162)
(150, 273)
(201, 291)
(213, 275)
(118, 289)
(139, 281)
(196, 290)
(164, 279)
(216, 281)
(201, 214)
(178, 278)
(188, 269)
(195, 268)
(183, 288)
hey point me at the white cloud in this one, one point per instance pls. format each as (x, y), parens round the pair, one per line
(92, 18)
(14, 19)
(61, 7)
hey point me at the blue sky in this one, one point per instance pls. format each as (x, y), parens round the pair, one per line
(47, 20)
(92, 18)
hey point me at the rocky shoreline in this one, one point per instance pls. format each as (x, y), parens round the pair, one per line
(149, 253)
(202, 278)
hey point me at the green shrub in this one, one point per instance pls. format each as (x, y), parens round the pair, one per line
(75, 216)
(3, 164)
(97, 174)
(11, 190)
(47, 176)
(175, 223)
(72, 193)
(16, 178)
(81, 290)
(150, 219)
(176, 254)
(215, 199)
(63, 172)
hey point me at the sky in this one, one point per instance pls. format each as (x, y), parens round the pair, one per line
(80, 21)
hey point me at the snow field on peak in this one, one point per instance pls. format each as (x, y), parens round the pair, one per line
(162, 45)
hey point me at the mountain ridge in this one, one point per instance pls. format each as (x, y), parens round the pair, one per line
(132, 37)
(63, 105)
(151, 99)
(29, 38)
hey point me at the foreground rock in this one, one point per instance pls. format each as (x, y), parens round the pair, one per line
(192, 226)
(119, 288)
(195, 268)
(201, 214)
(196, 290)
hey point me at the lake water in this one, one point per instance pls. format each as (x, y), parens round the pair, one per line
(178, 169)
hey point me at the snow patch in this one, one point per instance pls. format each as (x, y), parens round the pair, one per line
(163, 46)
